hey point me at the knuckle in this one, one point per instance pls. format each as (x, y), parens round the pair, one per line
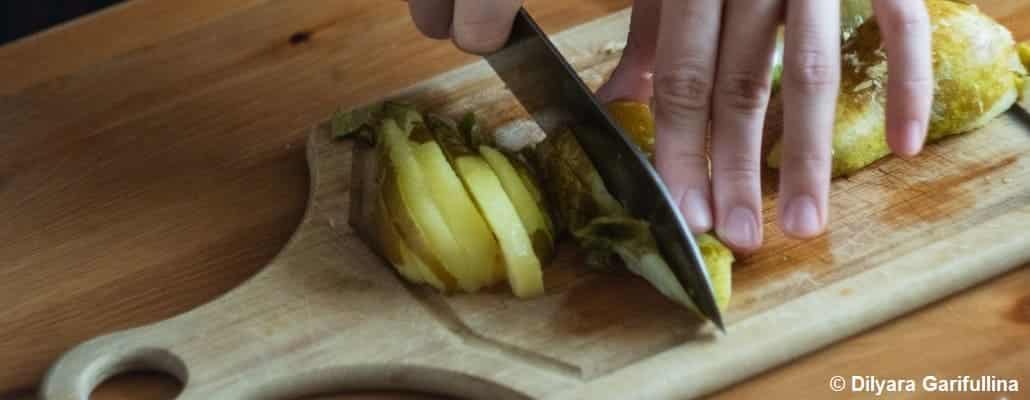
(808, 162)
(738, 175)
(814, 65)
(814, 69)
(691, 160)
(685, 88)
(738, 168)
(745, 92)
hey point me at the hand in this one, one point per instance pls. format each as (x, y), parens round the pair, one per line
(708, 76)
(715, 77)
(475, 26)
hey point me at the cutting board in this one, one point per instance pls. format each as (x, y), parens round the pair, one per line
(327, 314)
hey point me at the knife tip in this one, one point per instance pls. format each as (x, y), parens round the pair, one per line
(717, 320)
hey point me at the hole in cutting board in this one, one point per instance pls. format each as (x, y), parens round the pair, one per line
(136, 373)
(138, 385)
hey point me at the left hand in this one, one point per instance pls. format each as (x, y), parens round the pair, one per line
(712, 63)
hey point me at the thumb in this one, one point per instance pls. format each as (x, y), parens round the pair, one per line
(482, 27)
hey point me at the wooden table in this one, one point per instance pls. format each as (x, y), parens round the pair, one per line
(151, 158)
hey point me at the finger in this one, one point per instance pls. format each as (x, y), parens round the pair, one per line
(432, 17)
(740, 97)
(481, 27)
(811, 78)
(905, 26)
(632, 78)
(684, 72)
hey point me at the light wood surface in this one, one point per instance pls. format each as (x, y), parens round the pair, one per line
(123, 218)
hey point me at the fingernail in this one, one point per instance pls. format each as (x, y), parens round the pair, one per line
(741, 228)
(801, 217)
(696, 211)
(913, 138)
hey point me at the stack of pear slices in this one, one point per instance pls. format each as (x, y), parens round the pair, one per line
(450, 213)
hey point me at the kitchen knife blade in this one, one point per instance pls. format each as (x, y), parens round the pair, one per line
(551, 91)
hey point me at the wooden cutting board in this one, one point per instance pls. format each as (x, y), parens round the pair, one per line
(327, 314)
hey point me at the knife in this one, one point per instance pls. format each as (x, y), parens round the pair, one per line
(553, 94)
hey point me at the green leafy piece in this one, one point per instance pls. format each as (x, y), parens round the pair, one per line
(602, 226)
(531, 210)
(405, 114)
(632, 241)
(522, 265)
(472, 129)
(573, 185)
(362, 121)
(359, 121)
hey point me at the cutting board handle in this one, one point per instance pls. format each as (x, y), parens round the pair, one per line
(326, 314)
(84, 367)
(154, 347)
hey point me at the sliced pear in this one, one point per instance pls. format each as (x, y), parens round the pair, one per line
(1024, 53)
(425, 272)
(529, 207)
(976, 77)
(392, 246)
(522, 265)
(405, 115)
(465, 222)
(636, 119)
(533, 185)
(410, 202)
(400, 254)
(719, 264)
(632, 241)
(413, 236)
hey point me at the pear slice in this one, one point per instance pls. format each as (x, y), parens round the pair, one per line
(1024, 53)
(719, 265)
(410, 202)
(632, 241)
(392, 245)
(431, 268)
(530, 208)
(465, 222)
(523, 269)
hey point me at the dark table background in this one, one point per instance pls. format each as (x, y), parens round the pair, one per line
(20, 18)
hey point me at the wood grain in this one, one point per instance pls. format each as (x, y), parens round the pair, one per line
(175, 158)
